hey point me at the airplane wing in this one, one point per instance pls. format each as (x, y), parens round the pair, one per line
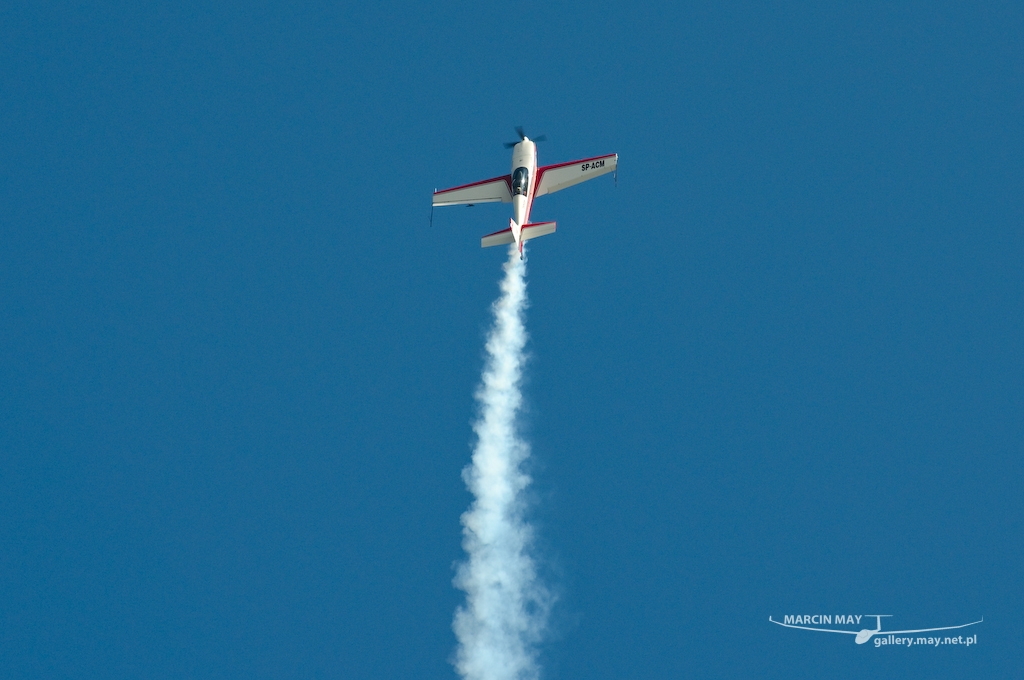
(494, 190)
(927, 630)
(552, 178)
(821, 630)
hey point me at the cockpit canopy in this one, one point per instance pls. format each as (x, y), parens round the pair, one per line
(520, 181)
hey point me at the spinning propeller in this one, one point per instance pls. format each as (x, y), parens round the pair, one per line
(522, 136)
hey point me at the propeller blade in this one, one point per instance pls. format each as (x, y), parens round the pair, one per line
(522, 136)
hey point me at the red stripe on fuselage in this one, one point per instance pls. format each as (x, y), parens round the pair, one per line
(533, 188)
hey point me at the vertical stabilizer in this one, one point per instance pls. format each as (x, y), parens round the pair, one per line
(516, 230)
(517, 234)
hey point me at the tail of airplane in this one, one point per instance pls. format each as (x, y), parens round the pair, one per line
(537, 229)
(526, 232)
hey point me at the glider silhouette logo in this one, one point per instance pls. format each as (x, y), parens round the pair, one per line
(882, 637)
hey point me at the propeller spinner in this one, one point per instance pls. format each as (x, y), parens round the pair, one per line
(522, 136)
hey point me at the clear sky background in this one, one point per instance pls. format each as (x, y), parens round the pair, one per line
(777, 370)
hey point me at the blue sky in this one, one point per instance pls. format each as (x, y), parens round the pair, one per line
(775, 370)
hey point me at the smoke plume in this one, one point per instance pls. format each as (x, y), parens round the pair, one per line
(506, 604)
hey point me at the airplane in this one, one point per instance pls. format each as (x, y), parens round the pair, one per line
(525, 183)
(866, 634)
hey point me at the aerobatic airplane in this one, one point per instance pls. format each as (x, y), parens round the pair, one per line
(525, 183)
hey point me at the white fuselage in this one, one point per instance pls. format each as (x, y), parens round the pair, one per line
(524, 155)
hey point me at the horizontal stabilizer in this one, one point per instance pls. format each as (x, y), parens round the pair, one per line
(498, 238)
(537, 230)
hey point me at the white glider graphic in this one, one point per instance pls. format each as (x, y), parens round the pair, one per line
(866, 634)
(525, 183)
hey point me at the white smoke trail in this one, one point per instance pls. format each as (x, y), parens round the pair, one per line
(506, 605)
